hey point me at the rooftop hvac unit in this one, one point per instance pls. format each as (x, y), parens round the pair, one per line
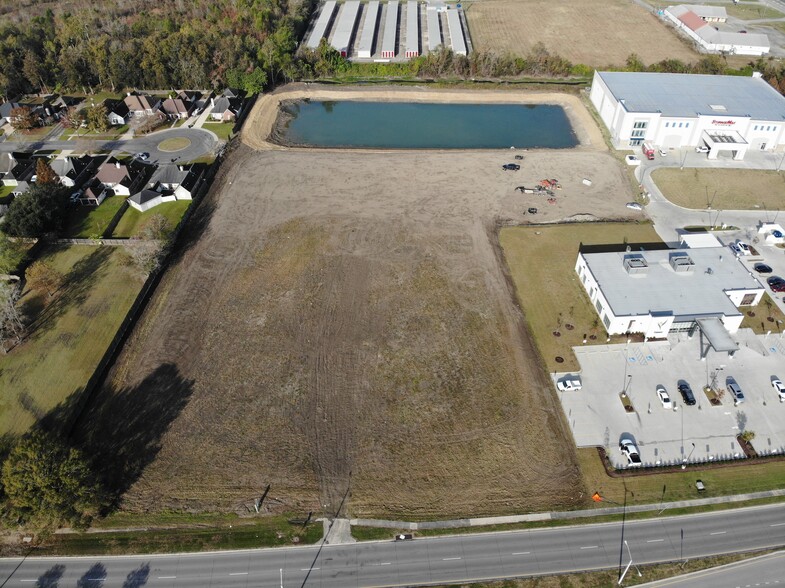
(635, 264)
(681, 262)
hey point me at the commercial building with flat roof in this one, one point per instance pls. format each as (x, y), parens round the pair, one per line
(457, 41)
(412, 29)
(320, 28)
(365, 50)
(697, 22)
(390, 30)
(344, 31)
(658, 292)
(725, 113)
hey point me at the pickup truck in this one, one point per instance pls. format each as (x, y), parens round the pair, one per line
(569, 383)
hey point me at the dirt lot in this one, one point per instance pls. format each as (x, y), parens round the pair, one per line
(724, 188)
(344, 321)
(598, 33)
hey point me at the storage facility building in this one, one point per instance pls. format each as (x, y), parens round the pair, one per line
(456, 32)
(345, 29)
(695, 22)
(434, 30)
(412, 29)
(320, 28)
(365, 50)
(724, 113)
(390, 30)
(659, 292)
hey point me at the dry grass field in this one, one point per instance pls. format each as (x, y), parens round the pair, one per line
(550, 294)
(725, 189)
(344, 322)
(598, 33)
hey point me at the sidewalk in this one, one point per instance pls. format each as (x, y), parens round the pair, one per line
(564, 515)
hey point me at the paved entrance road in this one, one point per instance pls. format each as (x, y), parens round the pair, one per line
(422, 561)
(202, 142)
(767, 570)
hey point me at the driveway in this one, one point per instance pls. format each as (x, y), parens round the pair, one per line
(201, 143)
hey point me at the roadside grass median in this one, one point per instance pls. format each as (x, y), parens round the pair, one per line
(70, 330)
(541, 262)
(90, 222)
(208, 533)
(721, 189)
(132, 219)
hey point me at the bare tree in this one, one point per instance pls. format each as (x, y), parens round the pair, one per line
(44, 275)
(146, 255)
(11, 321)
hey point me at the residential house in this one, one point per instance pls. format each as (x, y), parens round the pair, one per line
(117, 112)
(181, 105)
(119, 177)
(94, 193)
(227, 107)
(142, 104)
(16, 168)
(168, 183)
(74, 171)
(5, 110)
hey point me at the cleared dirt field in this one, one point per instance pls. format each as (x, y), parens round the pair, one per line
(598, 33)
(725, 189)
(345, 322)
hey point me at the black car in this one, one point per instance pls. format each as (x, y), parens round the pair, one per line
(686, 393)
(511, 167)
(762, 268)
(776, 283)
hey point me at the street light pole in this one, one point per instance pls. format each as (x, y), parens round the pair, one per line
(686, 459)
(629, 564)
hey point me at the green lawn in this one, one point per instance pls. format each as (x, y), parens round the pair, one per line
(5, 191)
(35, 133)
(133, 219)
(752, 11)
(223, 130)
(724, 189)
(541, 261)
(68, 333)
(87, 222)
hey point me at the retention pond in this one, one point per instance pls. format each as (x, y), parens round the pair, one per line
(398, 125)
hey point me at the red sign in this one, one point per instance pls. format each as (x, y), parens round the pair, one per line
(724, 123)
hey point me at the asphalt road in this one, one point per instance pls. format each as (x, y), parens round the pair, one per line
(421, 561)
(202, 142)
(767, 570)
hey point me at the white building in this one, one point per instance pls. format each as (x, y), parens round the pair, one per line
(658, 292)
(725, 113)
(696, 23)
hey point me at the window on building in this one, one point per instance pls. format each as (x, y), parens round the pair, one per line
(638, 133)
(768, 128)
(606, 321)
(680, 125)
(686, 125)
(755, 128)
(637, 141)
(598, 304)
(640, 125)
(667, 125)
(747, 300)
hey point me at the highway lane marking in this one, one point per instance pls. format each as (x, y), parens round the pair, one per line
(590, 547)
(450, 558)
(777, 525)
(238, 573)
(167, 577)
(522, 553)
(718, 533)
(655, 540)
(309, 569)
(386, 563)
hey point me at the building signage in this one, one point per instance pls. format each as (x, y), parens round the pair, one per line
(723, 123)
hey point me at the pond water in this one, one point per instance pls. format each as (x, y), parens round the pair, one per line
(398, 125)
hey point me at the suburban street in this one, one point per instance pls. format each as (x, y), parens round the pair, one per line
(423, 561)
(202, 142)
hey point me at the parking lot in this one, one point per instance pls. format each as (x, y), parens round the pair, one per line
(699, 433)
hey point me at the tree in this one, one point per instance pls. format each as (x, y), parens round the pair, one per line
(44, 174)
(45, 276)
(146, 255)
(22, 118)
(156, 228)
(73, 118)
(11, 254)
(38, 211)
(11, 320)
(46, 479)
(97, 118)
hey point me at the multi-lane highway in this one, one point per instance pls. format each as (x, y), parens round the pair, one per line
(422, 561)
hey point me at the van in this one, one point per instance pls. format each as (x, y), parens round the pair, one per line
(735, 391)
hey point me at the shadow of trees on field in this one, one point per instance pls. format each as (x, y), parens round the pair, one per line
(194, 229)
(76, 286)
(121, 430)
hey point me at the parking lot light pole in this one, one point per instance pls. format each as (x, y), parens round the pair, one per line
(686, 459)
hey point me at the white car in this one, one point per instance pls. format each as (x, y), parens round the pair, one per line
(701, 149)
(665, 399)
(630, 450)
(569, 383)
(779, 388)
(634, 206)
(632, 160)
(743, 247)
(663, 153)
